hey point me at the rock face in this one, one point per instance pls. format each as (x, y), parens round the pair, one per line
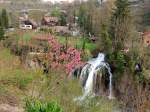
(9, 108)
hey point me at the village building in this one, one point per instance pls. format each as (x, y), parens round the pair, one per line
(50, 21)
(26, 23)
(146, 38)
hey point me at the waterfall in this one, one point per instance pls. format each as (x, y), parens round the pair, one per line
(89, 72)
(110, 83)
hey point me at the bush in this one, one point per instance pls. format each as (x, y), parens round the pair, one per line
(38, 106)
(117, 61)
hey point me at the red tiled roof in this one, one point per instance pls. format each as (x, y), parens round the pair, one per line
(146, 32)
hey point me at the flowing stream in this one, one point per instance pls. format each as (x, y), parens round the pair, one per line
(90, 71)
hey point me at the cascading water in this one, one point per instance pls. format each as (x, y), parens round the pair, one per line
(89, 72)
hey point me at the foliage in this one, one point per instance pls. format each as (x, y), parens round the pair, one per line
(1, 33)
(56, 12)
(62, 17)
(105, 41)
(63, 20)
(117, 60)
(146, 23)
(90, 17)
(81, 16)
(38, 106)
(4, 19)
(120, 22)
(85, 19)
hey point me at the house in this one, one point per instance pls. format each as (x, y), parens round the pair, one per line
(25, 23)
(146, 38)
(50, 21)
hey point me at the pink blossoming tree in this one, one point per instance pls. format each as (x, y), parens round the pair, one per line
(61, 57)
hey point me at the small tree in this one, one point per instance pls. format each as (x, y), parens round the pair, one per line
(4, 19)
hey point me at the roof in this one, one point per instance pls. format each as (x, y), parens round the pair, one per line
(33, 22)
(51, 19)
(146, 33)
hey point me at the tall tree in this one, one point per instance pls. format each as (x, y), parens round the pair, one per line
(4, 19)
(1, 33)
(120, 24)
(105, 42)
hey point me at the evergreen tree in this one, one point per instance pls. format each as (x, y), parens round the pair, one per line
(63, 21)
(1, 33)
(4, 19)
(82, 16)
(85, 19)
(120, 24)
(106, 43)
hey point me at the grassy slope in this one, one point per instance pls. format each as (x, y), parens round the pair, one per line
(17, 83)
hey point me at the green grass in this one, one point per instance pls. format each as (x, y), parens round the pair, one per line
(77, 42)
(33, 105)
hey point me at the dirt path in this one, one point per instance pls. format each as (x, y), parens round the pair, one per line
(9, 108)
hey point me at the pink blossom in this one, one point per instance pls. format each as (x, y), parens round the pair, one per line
(59, 58)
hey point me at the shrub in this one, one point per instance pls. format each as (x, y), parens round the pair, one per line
(117, 61)
(38, 106)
